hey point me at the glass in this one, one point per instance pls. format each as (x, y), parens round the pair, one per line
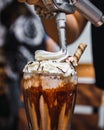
(49, 100)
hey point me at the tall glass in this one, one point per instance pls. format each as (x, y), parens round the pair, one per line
(49, 100)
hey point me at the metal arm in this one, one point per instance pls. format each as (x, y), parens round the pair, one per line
(63, 7)
(90, 11)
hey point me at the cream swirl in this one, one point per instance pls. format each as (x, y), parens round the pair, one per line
(59, 56)
(55, 62)
(50, 63)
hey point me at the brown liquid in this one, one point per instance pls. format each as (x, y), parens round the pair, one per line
(49, 108)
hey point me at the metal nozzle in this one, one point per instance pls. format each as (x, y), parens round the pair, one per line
(61, 26)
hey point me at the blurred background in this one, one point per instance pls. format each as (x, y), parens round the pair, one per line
(21, 32)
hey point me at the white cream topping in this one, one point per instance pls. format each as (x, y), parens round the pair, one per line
(50, 67)
(55, 62)
(45, 55)
(50, 63)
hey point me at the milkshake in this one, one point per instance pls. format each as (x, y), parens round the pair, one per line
(49, 90)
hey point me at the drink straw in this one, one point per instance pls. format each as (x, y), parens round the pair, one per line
(78, 53)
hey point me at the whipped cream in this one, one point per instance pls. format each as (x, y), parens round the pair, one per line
(50, 63)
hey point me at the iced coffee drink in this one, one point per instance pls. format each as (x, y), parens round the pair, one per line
(49, 89)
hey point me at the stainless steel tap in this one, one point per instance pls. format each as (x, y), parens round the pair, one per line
(90, 11)
(63, 7)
